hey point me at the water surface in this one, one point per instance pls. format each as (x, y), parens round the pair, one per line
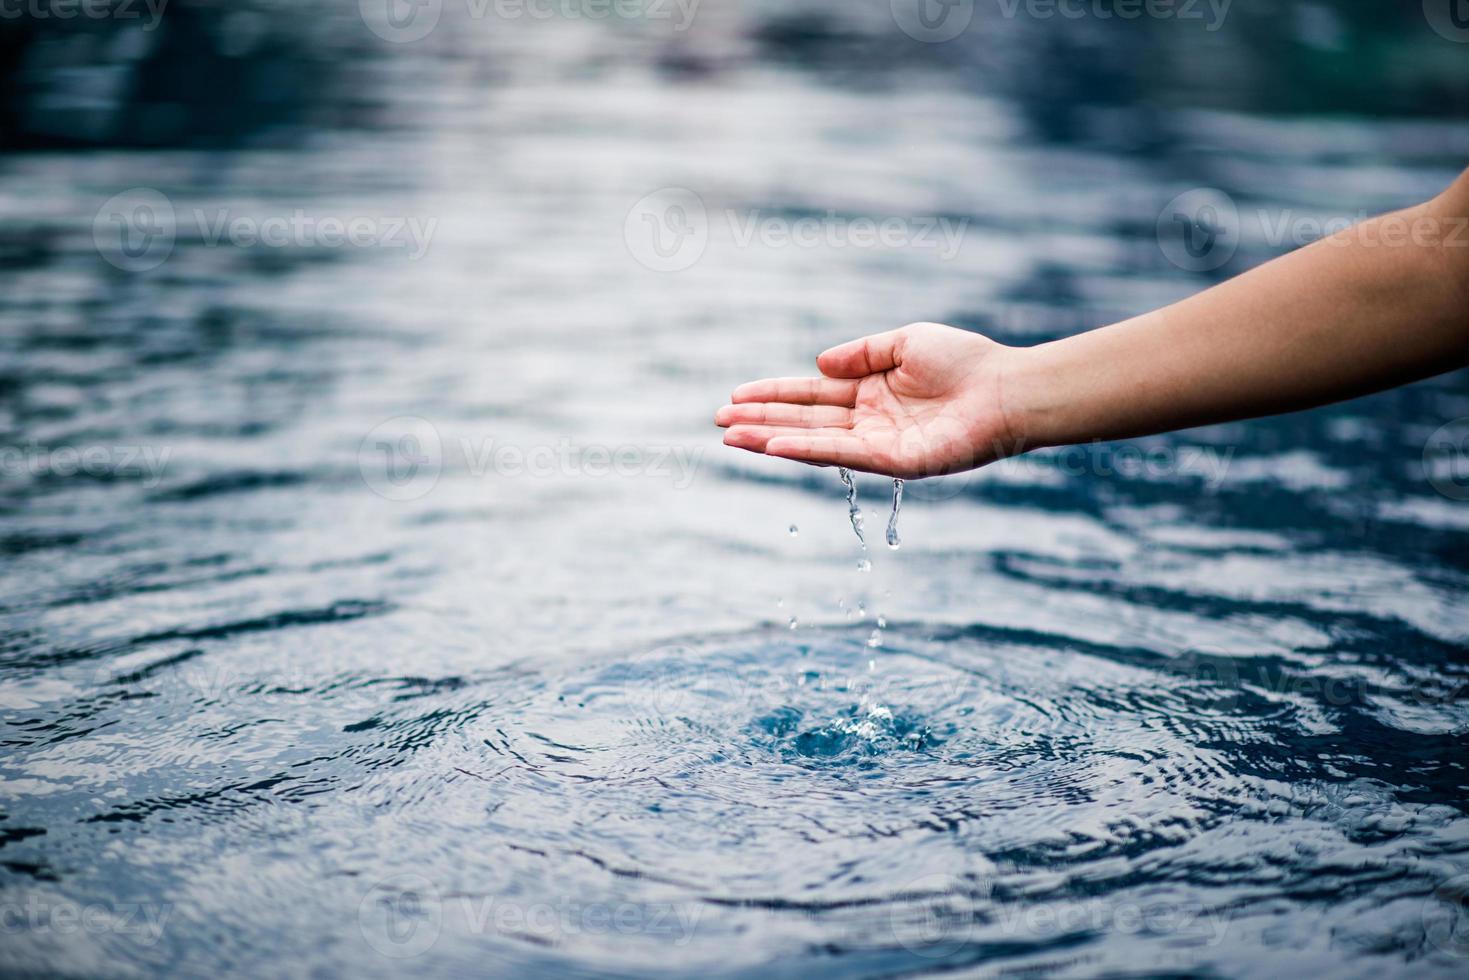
(414, 617)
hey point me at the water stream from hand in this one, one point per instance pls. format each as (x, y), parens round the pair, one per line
(854, 513)
(893, 541)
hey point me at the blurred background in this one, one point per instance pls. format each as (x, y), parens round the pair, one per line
(357, 370)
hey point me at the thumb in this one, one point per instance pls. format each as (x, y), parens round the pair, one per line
(859, 358)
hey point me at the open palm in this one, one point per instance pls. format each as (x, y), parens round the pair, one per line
(918, 401)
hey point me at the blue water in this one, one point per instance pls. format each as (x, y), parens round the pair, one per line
(413, 619)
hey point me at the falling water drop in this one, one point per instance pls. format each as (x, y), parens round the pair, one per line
(794, 623)
(893, 541)
(795, 530)
(854, 513)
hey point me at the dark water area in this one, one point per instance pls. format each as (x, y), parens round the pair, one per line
(393, 606)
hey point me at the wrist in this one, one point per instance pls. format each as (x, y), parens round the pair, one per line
(1030, 400)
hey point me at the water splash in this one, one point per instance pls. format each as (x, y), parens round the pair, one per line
(893, 541)
(854, 513)
(868, 721)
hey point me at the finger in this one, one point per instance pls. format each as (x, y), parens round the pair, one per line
(798, 391)
(775, 413)
(859, 358)
(827, 450)
(755, 437)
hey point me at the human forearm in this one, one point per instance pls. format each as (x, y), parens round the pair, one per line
(1380, 304)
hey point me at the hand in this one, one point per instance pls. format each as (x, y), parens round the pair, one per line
(918, 401)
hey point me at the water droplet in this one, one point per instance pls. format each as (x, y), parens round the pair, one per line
(882, 621)
(795, 530)
(875, 640)
(780, 603)
(893, 541)
(793, 622)
(863, 565)
(861, 610)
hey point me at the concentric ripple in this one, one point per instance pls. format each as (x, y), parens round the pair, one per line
(946, 800)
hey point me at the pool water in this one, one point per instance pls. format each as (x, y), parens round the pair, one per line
(413, 618)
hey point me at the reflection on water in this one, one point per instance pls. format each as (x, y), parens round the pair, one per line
(366, 612)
